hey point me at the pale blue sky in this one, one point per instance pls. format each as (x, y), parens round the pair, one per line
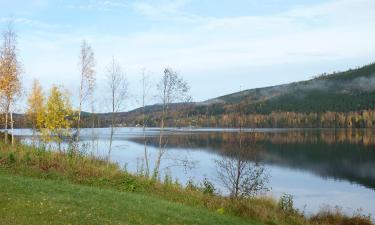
(218, 46)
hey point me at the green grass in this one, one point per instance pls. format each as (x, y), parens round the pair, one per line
(37, 201)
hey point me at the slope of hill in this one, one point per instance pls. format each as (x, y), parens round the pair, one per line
(352, 90)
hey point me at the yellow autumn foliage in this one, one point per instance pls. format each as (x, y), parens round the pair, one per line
(36, 106)
(58, 116)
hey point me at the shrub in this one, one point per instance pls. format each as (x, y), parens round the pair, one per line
(286, 203)
(208, 187)
(12, 157)
(191, 186)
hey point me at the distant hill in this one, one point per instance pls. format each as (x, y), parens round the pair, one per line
(352, 90)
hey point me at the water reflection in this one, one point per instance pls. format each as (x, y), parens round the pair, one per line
(339, 154)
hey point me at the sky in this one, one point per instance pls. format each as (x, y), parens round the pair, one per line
(218, 46)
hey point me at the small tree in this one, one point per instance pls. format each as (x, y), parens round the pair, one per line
(241, 177)
(146, 86)
(171, 89)
(58, 117)
(36, 108)
(10, 75)
(240, 173)
(117, 87)
(87, 77)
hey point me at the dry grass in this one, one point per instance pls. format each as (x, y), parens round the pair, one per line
(336, 216)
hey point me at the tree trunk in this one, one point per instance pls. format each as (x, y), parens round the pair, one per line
(144, 131)
(11, 125)
(161, 148)
(80, 107)
(34, 135)
(145, 149)
(110, 144)
(6, 128)
(112, 126)
(79, 121)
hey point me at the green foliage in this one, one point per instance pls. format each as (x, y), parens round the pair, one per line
(190, 185)
(168, 179)
(208, 187)
(12, 157)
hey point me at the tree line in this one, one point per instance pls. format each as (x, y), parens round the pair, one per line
(189, 116)
(359, 119)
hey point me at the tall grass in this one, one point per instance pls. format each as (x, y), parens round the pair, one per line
(89, 170)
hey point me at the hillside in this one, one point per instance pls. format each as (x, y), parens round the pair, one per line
(352, 90)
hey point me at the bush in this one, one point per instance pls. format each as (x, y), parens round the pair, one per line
(208, 187)
(286, 203)
(191, 186)
(12, 157)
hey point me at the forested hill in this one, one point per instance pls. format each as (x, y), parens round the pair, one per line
(352, 90)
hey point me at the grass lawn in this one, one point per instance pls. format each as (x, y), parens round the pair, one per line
(38, 201)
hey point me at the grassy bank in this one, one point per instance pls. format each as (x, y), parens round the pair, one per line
(38, 201)
(33, 170)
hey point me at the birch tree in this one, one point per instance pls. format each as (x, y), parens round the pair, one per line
(10, 76)
(242, 177)
(171, 88)
(146, 87)
(58, 117)
(87, 78)
(117, 90)
(36, 108)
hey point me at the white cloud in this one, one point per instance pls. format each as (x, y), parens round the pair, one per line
(99, 5)
(28, 22)
(165, 10)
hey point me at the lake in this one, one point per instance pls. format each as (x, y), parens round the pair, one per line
(319, 167)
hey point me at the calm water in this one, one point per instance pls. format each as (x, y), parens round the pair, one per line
(318, 167)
